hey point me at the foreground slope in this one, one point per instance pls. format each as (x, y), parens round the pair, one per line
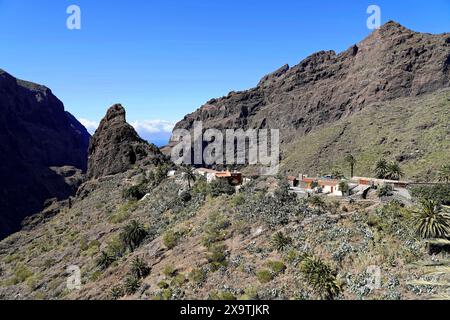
(208, 245)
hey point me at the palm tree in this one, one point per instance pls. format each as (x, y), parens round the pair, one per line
(381, 169)
(444, 174)
(321, 278)
(351, 161)
(104, 260)
(188, 175)
(432, 220)
(133, 234)
(139, 268)
(394, 171)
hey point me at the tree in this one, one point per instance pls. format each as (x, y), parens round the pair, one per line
(188, 175)
(444, 174)
(350, 159)
(381, 169)
(321, 278)
(344, 188)
(133, 234)
(432, 220)
(394, 171)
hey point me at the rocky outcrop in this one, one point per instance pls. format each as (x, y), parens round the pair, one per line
(39, 141)
(116, 147)
(393, 62)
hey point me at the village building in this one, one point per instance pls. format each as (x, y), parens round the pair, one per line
(379, 182)
(234, 178)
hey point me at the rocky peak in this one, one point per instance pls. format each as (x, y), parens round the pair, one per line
(393, 62)
(116, 146)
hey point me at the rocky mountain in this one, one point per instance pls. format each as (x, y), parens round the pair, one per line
(116, 147)
(43, 150)
(392, 63)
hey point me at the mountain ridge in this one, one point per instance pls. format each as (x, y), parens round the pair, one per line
(391, 63)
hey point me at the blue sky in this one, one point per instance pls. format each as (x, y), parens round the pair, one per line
(164, 59)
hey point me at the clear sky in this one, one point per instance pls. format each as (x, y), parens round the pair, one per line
(164, 59)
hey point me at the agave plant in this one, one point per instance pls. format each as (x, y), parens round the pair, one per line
(280, 241)
(133, 235)
(444, 174)
(321, 278)
(432, 220)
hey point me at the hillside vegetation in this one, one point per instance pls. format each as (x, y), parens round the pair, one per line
(261, 243)
(412, 131)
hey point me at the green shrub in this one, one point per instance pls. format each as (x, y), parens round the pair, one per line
(226, 296)
(163, 285)
(197, 276)
(116, 292)
(133, 235)
(432, 220)
(219, 187)
(139, 268)
(250, 294)
(131, 285)
(223, 295)
(439, 193)
(105, 260)
(178, 280)
(385, 190)
(277, 267)
(123, 212)
(320, 277)
(217, 256)
(264, 276)
(170, 239)
(135, 192)
(215, 229)
(169, 271)
(201, 187)
(280, 242)
(238, 200)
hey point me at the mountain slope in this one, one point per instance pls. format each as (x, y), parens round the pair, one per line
(392, 63)
(41, 145)
(413, 131)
